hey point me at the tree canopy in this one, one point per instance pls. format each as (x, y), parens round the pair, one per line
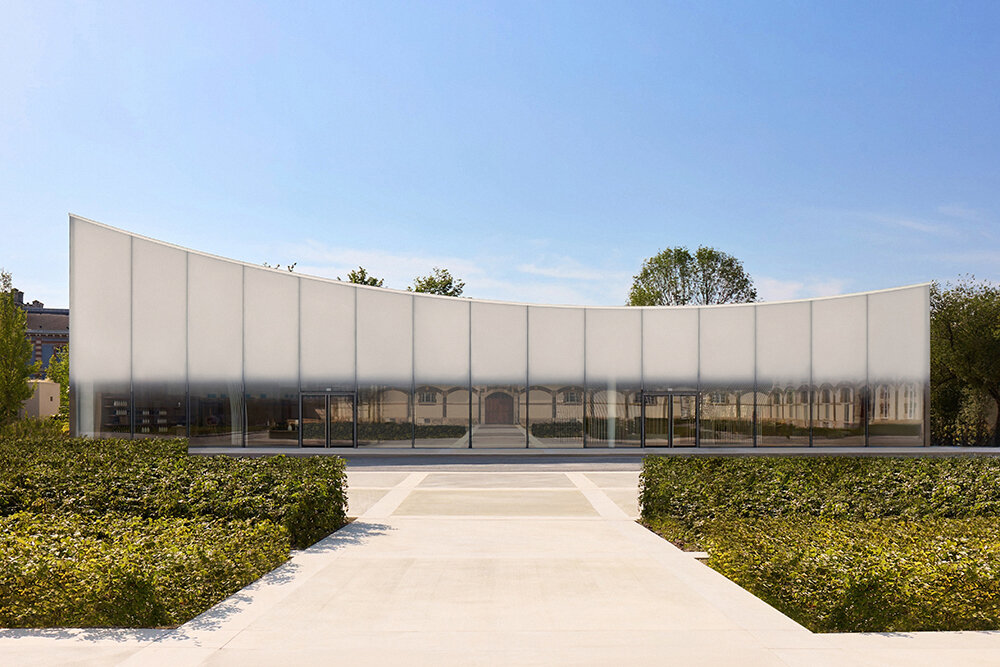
(359, 276)
(965, 361)
(678, 277)
(16, 353)
(438, 281)
(58, 371)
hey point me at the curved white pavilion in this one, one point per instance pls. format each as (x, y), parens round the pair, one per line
(167, 341)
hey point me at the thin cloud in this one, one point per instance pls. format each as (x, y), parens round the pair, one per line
(572, 271)
(775, 289)
(961, 213)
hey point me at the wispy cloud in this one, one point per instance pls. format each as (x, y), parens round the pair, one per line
(962, 213)
(775, 289)
(571, 270)
(913, 224)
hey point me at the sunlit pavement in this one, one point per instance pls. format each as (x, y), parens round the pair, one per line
(510, 563)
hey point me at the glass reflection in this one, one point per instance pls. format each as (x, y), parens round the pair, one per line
(897, 414)
(498, 417)
(441, 416)
(783, 416)
(613, 417)
(272, 413)
(160, 411)
(726, 417)
(555, 416)
(217, 415)
(384, 417)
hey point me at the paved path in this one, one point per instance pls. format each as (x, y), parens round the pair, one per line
(492, 565)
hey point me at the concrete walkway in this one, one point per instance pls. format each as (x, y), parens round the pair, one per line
(504, 564)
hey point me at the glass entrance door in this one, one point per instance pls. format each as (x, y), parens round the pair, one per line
(670, 420)
(326, 420)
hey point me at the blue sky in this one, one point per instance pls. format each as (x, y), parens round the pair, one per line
(539, 150)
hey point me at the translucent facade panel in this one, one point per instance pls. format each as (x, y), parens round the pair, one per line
(100, 336)
(725, 416)
(441, 416)
(384, 416)
(160, 409)
(613, 417)
(272, 410)
(555, 345)
(499, 344)
(727, 346)
(271, 327)
(556, 357)
(614, 338)
(159, 313)
(215, 322)
(555, 415)
(839, 339)
(783, 414)
(896, 413)
(385, 338)
(217, 413)
(670, 348)
(441, 340)
(498, 416)
(783, 344)
(839, 414)
(898, 335)
(327, 329)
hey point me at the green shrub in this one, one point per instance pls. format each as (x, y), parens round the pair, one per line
(127, 571)
(34, 427)
(696, 489)
(842, 544)
(157, 478)
(881, 575)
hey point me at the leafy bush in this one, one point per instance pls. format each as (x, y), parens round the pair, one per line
(34, 427)
(842, 543)
(886, 575)
(120, 570)
(696, 489)
(157, 478)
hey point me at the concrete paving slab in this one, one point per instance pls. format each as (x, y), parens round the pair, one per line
(507, 480)
(494, 502)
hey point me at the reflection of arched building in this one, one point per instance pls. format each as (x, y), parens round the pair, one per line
(169, 341)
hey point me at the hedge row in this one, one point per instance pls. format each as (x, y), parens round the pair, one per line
(158, 479)
(842, 544)
(696, 489)
(885, 575)
(120, 570)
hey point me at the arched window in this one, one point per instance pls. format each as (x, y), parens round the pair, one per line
(845, 395)
(825, 396)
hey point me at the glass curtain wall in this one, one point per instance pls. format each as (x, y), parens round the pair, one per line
(441, 372)
(499, 366)
(215, 364)
(840, 370)
(159, 347)
(556, 376)
(898, 366)
(385, 368)
(726, 350)
(784, 374)
(271, 357)
(170, 342)
(614, 377)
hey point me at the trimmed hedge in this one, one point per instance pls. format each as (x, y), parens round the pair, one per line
(157, 478)
(696, 489)
(126, 571)
(842, 544)
(885, 575)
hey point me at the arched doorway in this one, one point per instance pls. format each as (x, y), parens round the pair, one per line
(499, 409)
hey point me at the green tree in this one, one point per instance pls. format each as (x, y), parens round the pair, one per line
(359, 276)
(16, 353)
(438, 281)
(678, 277)
(965, 362)
(58, 371)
